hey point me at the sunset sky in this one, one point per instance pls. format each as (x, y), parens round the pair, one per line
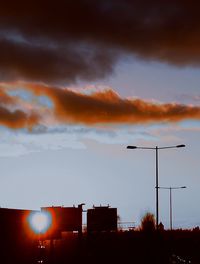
(79, 81)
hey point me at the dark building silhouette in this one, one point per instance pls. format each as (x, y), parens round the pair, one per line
(102, 218)
(14, 222)
(64, 219)
(17, 241)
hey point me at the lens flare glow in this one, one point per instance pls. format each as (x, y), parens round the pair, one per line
(40, 221)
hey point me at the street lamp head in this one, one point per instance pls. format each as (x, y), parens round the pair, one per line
(131, 147)
(183, 187)
(180, 146)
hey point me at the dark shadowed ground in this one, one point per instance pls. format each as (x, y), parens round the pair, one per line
(121, 247)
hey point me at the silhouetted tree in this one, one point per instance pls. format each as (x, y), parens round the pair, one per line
(148, 223)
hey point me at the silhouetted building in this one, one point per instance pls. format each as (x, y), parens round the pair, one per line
(16, 240)
(14, 222)
(64, 219)
(102, 218)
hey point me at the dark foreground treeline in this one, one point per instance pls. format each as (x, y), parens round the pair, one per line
(120, 247)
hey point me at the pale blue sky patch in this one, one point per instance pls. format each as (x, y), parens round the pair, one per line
(45, 101)
(30, 97)
(22, 94)
(153, 80)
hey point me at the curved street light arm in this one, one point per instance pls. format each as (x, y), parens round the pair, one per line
(168, 147)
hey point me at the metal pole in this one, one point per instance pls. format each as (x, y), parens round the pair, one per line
(157, 186)
(170, 202)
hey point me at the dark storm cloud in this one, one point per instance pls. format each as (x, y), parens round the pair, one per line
(51, 63)
(82, 39)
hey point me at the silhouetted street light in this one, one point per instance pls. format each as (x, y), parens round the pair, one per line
(170, 200)
(157, 185)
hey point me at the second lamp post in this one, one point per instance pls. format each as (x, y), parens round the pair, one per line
(170, 201)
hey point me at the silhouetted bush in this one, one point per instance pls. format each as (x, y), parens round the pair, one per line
(196, 229)
(161, 227)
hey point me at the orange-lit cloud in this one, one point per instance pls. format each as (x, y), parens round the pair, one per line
(12, 116)
(6, 99)
(107, 107)
(75, 107)
(17, 119)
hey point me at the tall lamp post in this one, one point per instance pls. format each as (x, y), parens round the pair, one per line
(157, 183)
(170, 200)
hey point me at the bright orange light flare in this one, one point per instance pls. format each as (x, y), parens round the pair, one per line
(40, 222)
